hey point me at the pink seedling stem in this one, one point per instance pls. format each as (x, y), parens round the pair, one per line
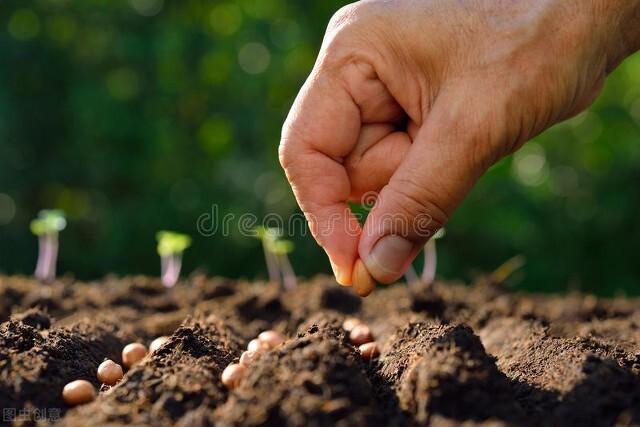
(276, 257)
(47, 226)
(430, 262)
(170, 248)
(411, 276)
(170, 267)
(272, 263)
(47, 257)
(288, 275)
(428, 275)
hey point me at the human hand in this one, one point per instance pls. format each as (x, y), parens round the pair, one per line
(416, 99)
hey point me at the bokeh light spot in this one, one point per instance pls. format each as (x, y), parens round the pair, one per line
(123, 83)
(530, 165)
(254, 58)
(215, 67)
(263, 9)
(75, 203)
(61, 29)
(147, 7)
(7, 209)
(226, 18)
(586, 126)
(215, 135)
(24, 24)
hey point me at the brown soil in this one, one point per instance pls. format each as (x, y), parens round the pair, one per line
(450, 355)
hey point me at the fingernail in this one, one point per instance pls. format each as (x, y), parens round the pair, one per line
(341, 277)
(388, 258)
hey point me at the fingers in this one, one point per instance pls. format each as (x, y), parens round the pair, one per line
(438, 170)
(321, 129)
(377, 155)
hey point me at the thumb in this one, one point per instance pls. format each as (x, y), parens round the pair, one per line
(443, 163)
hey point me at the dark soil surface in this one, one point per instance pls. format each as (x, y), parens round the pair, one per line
(450, 355)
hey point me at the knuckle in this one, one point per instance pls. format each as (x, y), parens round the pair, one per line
(346, 16)
(348, 30)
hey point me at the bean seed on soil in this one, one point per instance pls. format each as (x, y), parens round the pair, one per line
(256, 345)
(360, 334)
(157, 343)
(133, 353)
(232, 375)
(369, 350)
(271, 339)
(248, 357)
(361, 280)
(78, 392)
(350, 323)
(109, 372)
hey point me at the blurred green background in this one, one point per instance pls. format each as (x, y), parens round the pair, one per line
(135, 116)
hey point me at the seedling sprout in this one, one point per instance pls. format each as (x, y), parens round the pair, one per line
(276, 252)
(281, 249)
(47, 226)
(430, 262)
(171, 245)
(502, 273)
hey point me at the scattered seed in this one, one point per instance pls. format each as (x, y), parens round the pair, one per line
(232, 375)
(256, 345)
(133, 353)
(157, 343)
(78, 392)
(248, 357)
(271, 339)
(369, 350)
(109, 372)
(350, 323)
(360, 334)
(361, 280)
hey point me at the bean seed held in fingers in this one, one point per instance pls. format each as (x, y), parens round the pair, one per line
(361, 280)
(271, 339)
(133, 353)
(78, 392)
(360, 334)
(350, 323)
(232, 375)
(248, 357)
(157, 343)
(369, 350)
(109, 372)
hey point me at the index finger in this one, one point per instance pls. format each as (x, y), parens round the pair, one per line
(321, 129)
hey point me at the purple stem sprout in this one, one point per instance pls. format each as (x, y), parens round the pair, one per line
(47, 226)
(272, 263)
(170, 248)
(276, 256)
(289, 279)
(428, 275)
(430, 262)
